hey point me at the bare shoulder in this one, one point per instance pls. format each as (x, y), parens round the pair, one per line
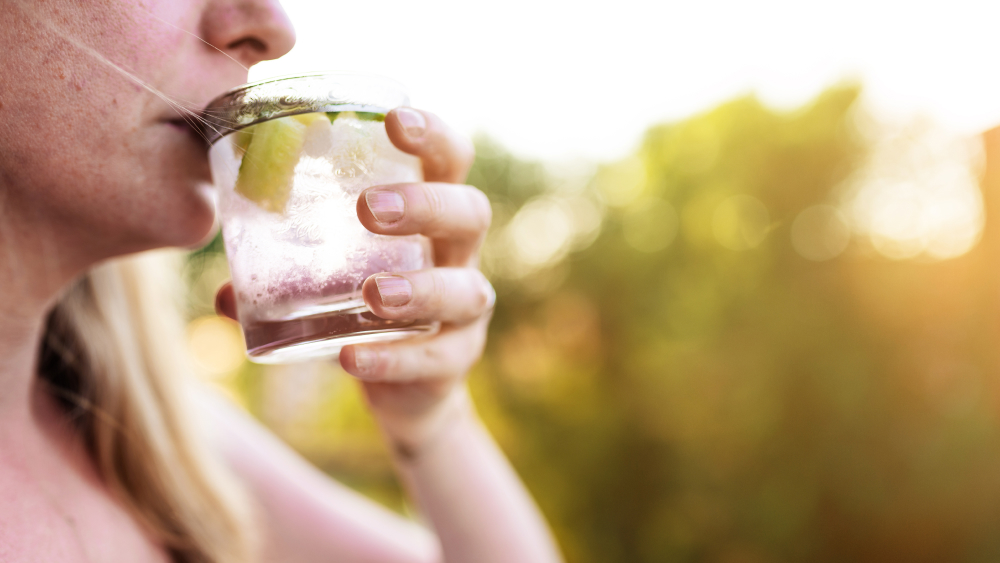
(53, 505)
(42, 520)
(30, 530)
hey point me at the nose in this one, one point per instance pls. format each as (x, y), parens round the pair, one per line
(250, 31)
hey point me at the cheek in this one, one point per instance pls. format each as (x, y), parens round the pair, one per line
(146, 189)
(76, 140)
(168, 189)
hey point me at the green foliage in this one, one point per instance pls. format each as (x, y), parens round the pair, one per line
(691, 389)
(699, 403)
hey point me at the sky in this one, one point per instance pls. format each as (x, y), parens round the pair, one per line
(560, 80)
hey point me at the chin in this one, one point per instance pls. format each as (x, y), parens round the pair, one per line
(196, 236)
(201, 225)
(205, 238)
(189, 224)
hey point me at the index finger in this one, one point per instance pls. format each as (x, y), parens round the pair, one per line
(446, 154)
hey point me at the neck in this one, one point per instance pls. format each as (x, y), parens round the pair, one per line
(34, 269)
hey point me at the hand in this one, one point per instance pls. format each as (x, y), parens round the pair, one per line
(416, 387)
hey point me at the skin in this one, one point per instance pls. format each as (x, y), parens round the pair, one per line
(93, 166)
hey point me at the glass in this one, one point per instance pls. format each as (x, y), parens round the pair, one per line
(290, 157)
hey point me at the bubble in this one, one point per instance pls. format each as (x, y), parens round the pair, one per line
(317, 249)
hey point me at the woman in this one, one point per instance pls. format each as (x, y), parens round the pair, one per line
(98, 461)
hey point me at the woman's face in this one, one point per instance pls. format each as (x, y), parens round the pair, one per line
(88, 156)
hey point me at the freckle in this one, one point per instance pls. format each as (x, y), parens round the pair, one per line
(62, 76)
(78, 87)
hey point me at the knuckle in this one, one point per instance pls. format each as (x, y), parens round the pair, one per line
(435, 205)
(438, 289)
(436, 163)
(480, 209)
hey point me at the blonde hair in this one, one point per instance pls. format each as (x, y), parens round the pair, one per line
(114, 354)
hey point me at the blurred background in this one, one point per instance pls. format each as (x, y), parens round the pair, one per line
(747, 263)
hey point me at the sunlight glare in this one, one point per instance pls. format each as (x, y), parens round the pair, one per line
(919, 195)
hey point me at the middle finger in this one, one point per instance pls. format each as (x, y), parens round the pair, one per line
(456, 217)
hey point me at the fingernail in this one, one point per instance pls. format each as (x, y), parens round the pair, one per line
(413, 122)
(365, 360)
(395, 291)
(386, 205)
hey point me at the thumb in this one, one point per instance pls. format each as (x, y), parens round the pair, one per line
(225, 301)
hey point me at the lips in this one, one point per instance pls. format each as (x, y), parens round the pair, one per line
(178, 123)
(188, 126)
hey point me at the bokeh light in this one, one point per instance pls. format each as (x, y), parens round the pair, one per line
(586, 217)
(650, 224)
(622, 182)
(820, 232)
(740, 222)
(216, 345)
(540, 233)
(918, 194)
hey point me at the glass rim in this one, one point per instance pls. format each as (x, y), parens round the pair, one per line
(294, 94)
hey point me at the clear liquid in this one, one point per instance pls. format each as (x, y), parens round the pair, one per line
(298, 271)
(267, 333)
(323, 335)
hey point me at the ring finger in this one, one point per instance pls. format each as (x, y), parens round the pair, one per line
(452, 295)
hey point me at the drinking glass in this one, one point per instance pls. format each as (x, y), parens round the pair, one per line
(290, 157)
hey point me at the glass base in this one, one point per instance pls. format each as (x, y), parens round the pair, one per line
(321, 335)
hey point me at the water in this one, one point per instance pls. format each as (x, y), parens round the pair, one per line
(298, 270)
(323, 335)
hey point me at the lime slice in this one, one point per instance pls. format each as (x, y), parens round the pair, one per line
(242, 141)
(361, 115)
(271, 151)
